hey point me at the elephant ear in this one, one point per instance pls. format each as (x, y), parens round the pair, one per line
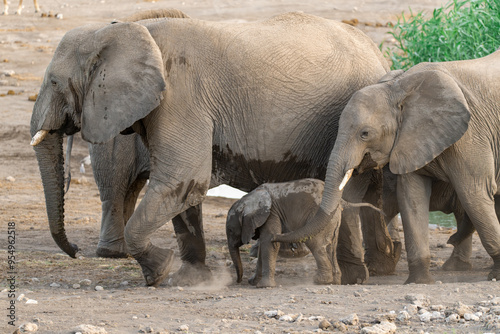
(391, 75)
(125, 80)
(255, 213)
(433, 116)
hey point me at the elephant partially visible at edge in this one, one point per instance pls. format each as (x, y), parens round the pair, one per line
(207, 99)
(435, 122)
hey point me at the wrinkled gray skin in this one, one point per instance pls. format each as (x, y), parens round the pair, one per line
(207, 98)
(274, 208)
(437, 121)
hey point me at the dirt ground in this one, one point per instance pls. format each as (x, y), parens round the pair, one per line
(65, 289)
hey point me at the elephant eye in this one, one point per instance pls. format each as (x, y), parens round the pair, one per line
(364, 134)
(54, 83)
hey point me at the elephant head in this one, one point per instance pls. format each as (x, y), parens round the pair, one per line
(243, 220)
(101, 80)
(405, 120)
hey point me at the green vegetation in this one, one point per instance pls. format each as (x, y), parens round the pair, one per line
(460, 30)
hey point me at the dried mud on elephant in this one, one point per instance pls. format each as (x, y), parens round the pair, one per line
(65, 288)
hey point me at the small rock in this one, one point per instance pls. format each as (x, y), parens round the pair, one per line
(32, 98)
(28, 327)
(147, 330)
(9, 73)
(98, 288)
(21, 297)
(452, 318)
(425, 317)
(403, 316)
(411, 309)
(183, 328)
(461, 309)
(274, 314)
(324, 324)
(384, 327)
(418, 299)
(55, 285)
(287, 318)
(31, 302)
(76, 286)
(59, 16)
(124, 283)
(10, 179)
(90, 329)
(351, 319)
(85, 282)
(471, 317)
(35, 280)
(11, 92)
(437, 307)
(340, 326)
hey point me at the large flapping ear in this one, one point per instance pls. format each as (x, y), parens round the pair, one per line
(255, 213)
(125, 80)
(433, 116)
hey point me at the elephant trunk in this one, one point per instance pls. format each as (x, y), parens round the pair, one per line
(234, 251)
(49, 154)
(330, 203)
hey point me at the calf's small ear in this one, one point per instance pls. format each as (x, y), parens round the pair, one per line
(255, 213)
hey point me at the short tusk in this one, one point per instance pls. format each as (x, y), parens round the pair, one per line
(38, 137)
(347, 176)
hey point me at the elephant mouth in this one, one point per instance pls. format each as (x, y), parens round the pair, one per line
(366, 163)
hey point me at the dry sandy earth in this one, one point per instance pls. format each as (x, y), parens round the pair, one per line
(125, 305)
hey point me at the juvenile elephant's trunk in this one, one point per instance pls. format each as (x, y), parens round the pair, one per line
(235, 256)
(49, 154)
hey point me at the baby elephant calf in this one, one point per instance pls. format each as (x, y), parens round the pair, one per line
(275, 208)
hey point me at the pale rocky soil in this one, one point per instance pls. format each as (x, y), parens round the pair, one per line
(65, 288)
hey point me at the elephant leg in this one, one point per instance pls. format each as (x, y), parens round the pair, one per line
(188, 227)
(159, 205)
(350, 252)
(268, 251)
(480, 207)
(414, 193)
(111, 241)
(382, 251)
(321, 248)
(459, 259)
(257, 276)
(349, 247)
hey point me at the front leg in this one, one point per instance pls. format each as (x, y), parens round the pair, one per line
(414, 193)
(188, 227)
(268, 251)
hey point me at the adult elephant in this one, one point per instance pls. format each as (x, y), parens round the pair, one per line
(437, 121)
(234, 103)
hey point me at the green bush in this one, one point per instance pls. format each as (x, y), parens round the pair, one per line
(460, 30)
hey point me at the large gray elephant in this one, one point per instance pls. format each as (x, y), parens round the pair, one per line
(437, 121)
(234, 103)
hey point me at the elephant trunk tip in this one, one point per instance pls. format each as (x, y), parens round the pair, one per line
(67, 247)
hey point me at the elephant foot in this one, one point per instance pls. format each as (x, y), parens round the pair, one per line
(494, 274)
(191, 274)
(456, 264)
(114, 249)
(419, 272)
(155, 263)
(266, 283)
(254, 280)
(109, 253)
(325, 278)
(382, 264)
(353, 273)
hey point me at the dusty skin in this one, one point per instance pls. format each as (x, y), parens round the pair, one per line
(65, 288)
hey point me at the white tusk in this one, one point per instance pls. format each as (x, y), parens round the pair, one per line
(347, 176)
(38, 137)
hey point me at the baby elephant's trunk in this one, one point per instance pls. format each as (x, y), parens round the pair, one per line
(235, 256)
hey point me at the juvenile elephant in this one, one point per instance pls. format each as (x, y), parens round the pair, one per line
(270, 209)
(437, 121)
(207, 98)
